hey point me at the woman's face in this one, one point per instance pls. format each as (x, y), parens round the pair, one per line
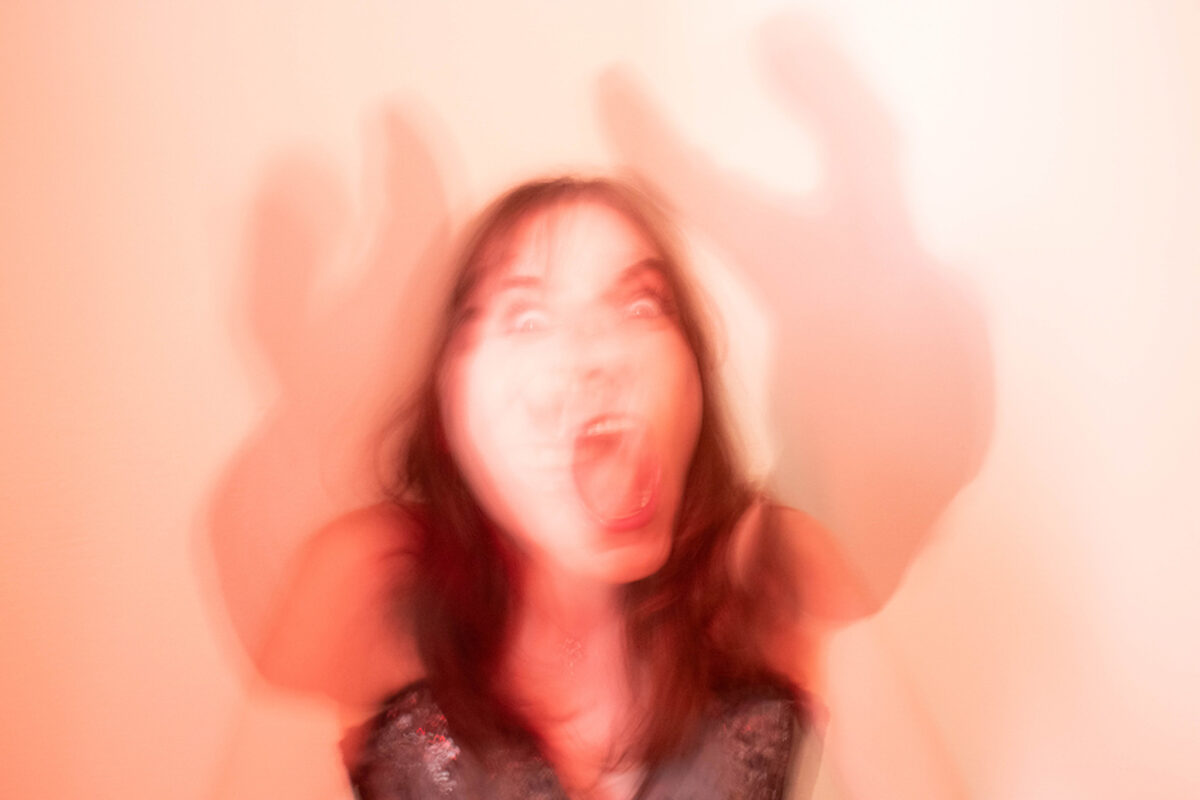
(571, 399)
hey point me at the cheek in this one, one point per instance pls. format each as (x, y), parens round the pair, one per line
(679, 397)
(478, 448)
(473, 392)
(690, 393)
(491, 431)
(500, 386)
(466, 406)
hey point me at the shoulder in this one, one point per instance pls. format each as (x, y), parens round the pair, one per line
(834, 591)
(828, 590)
(378, 531)
(336, 630)
(369, 548)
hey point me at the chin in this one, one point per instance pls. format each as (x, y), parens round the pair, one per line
(630, 556)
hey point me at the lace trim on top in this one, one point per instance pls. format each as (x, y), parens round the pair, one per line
(744, 751)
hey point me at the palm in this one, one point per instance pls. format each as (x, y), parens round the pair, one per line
(881, 387)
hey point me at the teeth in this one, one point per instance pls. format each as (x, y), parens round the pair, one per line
(605, 426)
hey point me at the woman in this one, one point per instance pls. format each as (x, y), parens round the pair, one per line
(602, 605)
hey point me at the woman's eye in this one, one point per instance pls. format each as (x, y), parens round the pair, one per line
(527, 320)
(645, 306)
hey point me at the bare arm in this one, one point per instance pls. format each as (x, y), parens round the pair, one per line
(875, 737)
(340, 628)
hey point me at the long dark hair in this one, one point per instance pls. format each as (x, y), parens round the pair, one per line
(693, 630)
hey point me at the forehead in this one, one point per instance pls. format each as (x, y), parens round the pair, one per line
(576, 245)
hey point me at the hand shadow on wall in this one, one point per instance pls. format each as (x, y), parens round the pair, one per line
(340, 361)
(881, 387)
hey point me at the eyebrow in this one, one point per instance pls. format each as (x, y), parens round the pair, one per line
(647, 267)
(652, 266)
(517, 282)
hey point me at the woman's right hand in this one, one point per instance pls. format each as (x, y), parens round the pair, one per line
(881, 386)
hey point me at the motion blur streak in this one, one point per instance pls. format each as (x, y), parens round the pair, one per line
(222, 227)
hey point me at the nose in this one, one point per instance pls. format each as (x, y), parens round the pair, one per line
(586, 377)
(595, 358)
(588, 341)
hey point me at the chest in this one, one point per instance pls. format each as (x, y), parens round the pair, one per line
(744, 750)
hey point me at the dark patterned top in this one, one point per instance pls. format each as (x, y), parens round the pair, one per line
(744, 752)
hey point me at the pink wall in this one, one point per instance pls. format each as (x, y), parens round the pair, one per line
(198, 332)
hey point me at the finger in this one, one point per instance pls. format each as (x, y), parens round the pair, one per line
(817, 81)
(730, 209)
(377, 333)
(295, 225)
(414, 207)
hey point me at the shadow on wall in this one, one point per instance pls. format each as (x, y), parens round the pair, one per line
(881, 387)
(882, 381)
(340, 360)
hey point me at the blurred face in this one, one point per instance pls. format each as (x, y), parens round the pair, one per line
(570, 397)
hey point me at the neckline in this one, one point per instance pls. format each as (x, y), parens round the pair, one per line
(719, 745)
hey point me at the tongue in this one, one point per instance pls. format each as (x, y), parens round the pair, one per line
(616, 474)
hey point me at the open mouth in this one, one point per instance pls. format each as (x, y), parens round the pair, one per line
(617, 471)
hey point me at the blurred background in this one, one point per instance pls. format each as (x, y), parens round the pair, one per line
(221, 226)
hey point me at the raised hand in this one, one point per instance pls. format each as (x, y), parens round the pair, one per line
(882, 386)
(338, 357)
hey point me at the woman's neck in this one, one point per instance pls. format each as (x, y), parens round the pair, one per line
(569, 670)
(570, 634)
(578, 605)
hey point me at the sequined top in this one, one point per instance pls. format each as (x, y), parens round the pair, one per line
(744, 751)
